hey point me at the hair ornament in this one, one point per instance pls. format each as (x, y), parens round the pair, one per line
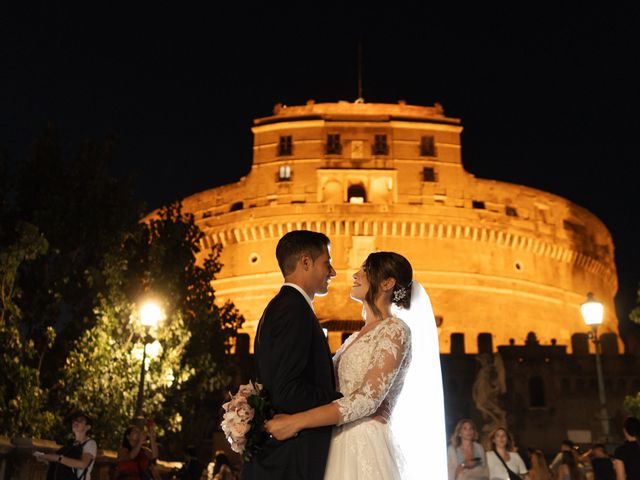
(400, 293)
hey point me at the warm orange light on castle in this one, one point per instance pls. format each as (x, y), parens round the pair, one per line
(495, 257)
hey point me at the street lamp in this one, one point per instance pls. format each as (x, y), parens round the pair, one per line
(150, 314)
(592, 313)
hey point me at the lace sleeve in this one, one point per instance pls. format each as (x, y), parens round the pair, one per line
(392, 343)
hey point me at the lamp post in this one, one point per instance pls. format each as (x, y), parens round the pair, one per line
(150, 315)
(592, 313)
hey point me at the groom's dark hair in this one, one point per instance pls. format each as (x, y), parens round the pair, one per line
(297, 242)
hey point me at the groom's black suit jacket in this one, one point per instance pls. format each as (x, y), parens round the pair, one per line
(294, 365)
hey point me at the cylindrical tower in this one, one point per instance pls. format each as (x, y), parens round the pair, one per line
(495, 257)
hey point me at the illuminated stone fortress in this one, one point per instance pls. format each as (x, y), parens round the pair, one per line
(497, 259)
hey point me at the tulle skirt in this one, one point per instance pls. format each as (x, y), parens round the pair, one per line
(364, 450)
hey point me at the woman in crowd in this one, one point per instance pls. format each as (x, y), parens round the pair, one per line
(466, 459)
(569, 468)
(135, 461)
(539, 468)
(502, 456)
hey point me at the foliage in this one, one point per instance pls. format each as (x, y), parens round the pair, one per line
(634, 315)
(83, 212)
(632, 404)
(22, 399)
(75, 261)
(102, 371)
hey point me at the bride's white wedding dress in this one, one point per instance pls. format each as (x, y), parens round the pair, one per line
(370, 370)
(395, 365)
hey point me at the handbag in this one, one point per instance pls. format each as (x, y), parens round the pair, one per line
(512, 475)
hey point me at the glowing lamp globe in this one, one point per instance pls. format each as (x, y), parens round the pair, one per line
(592, 311)
(150, 314)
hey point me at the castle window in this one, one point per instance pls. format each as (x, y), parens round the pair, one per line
(237, 206)
(284, 173)
(427, 146)
(356, 193)
(511, 212)
(479, 204)
(380, 145)
(285, 146)
(333, 147)
(536, 392)
(428, 174)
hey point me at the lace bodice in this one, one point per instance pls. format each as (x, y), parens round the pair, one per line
(371, 369)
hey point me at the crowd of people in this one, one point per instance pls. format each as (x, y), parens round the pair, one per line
(136, 458)
(467, 459)
(500, 459)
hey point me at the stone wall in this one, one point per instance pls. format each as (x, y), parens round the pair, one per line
(548, 395)
(493, 256)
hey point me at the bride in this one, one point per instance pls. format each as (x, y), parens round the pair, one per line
(391, 365)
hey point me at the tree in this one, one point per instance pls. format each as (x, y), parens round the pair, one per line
(23, 401)
(632, 402)
(83, 212)
(75, 259)
(101, 373)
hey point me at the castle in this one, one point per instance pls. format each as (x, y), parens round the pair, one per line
(506, 266)
(497, 259)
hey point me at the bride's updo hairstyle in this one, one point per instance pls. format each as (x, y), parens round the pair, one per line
(382, 265)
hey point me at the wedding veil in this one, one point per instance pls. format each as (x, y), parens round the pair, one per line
(418, 420)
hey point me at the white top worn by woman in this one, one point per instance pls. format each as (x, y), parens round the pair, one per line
(497, 470)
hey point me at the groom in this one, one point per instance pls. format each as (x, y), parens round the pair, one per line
(293, 358)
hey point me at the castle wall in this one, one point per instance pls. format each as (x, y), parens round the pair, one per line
(493, 256)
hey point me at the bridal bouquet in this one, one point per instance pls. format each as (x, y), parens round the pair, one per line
(244, 417)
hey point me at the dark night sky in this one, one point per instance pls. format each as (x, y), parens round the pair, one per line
(548, 98)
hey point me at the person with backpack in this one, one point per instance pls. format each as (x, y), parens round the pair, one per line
(75, 460)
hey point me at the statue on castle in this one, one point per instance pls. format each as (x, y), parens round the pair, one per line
(488, 385)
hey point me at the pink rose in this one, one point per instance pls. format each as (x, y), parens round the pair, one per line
(246, 390)
(240, 402)
(231, 417)
(245, 412)
(239, 429)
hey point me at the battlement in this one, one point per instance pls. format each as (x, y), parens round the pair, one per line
(358, 111)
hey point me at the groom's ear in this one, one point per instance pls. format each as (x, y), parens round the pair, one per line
(305, 261)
